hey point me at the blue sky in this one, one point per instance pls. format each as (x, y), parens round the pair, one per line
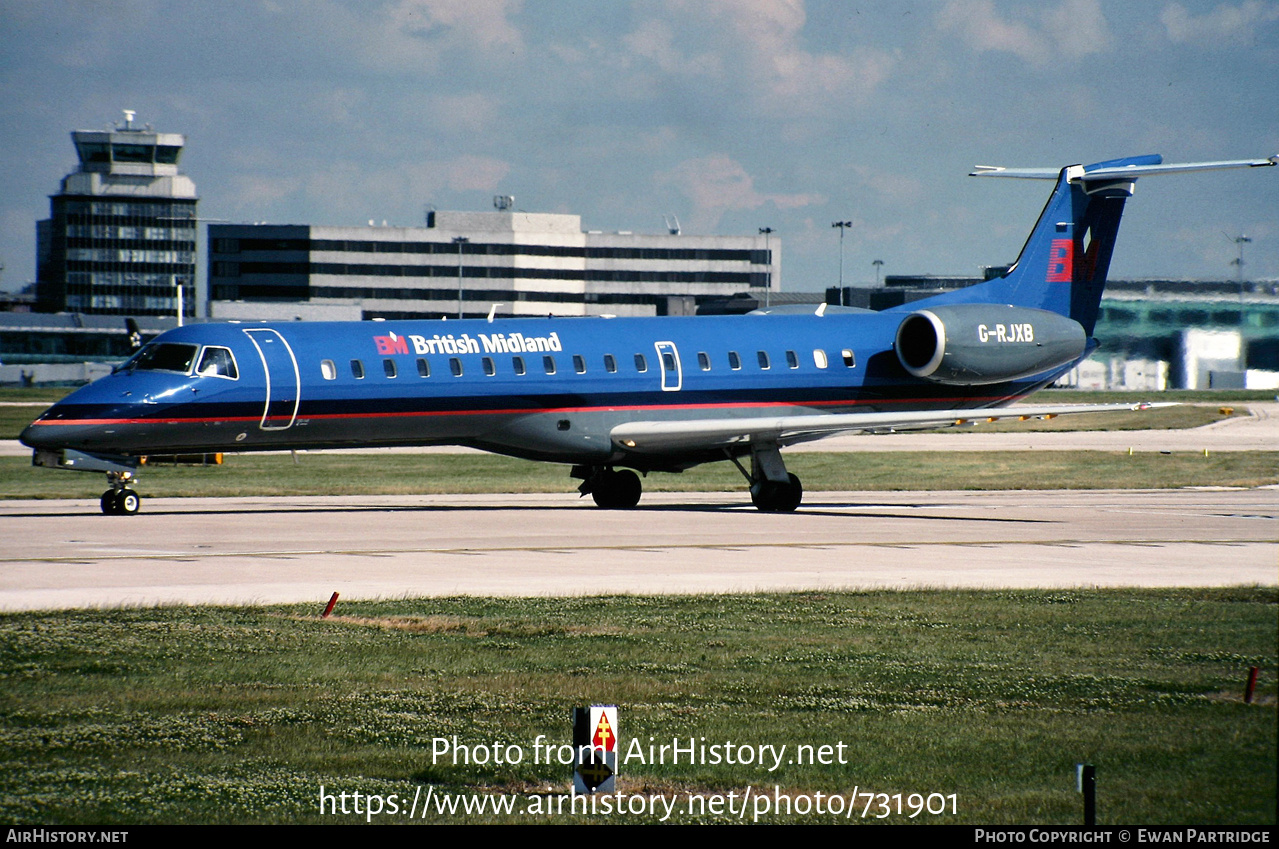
(731, 115)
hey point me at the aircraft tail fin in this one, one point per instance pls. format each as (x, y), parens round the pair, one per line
(1063, 265)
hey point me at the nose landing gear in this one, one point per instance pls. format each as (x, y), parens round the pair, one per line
(120, 500)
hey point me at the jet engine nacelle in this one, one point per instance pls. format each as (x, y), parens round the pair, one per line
(975, 344)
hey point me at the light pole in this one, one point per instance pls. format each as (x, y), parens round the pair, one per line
(1237, 262)
(180, 281)
(768, 254)
(842, 225)
(878, 265)
(459, 241)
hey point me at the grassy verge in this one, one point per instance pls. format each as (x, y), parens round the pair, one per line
(399, 474)
(240, 715)
(1188, 396)
(1160, 418)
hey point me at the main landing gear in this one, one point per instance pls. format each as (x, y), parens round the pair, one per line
(777, 496)
(773, 489)
(610, 488)
(120, 500)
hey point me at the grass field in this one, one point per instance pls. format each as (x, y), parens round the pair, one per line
(400, 474)
(215, 715)
(240, 715)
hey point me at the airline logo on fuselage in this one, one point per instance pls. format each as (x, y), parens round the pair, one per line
(465, 343)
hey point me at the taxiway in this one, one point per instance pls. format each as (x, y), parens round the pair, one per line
(65, 554)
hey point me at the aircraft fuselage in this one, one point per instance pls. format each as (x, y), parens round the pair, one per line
(546, 389)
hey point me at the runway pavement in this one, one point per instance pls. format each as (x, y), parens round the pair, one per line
(65, 554)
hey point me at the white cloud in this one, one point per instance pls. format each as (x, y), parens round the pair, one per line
(771, 33)
(717, 184)
(758, 47)
(1078, 28)
(414, 34)
(1225, 25)
(1070, 29)
(486, 24)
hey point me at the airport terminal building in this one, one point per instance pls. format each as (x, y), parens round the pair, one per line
(121, 235)
(465, 263)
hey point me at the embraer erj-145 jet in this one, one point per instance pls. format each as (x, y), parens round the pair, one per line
(614, 396)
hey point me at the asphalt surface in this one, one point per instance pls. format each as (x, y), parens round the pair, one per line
(65, 554)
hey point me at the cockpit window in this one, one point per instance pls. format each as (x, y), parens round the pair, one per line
(217, 362)
(165, 356)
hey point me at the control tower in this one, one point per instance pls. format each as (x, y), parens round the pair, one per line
(121, 236)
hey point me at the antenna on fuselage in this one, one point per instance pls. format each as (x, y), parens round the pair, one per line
(493, 311)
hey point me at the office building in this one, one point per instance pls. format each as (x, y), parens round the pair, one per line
(470, 263)
(121, 236)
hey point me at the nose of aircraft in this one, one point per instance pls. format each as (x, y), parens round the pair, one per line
(57, 427)
(36, 435)
(30, 437)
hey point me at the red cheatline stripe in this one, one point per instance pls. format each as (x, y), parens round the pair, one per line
(504, 412)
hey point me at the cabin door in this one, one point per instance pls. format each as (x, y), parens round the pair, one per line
(672, 374)
(283, 383)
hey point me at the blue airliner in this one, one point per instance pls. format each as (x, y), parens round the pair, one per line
(613, 396)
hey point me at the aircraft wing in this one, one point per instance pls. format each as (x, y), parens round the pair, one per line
(655, 437)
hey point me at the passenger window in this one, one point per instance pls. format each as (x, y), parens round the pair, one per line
(328, 369)
(668, 361)
(848, 358)
(704, 360)
(217, 362)
(762, 356)
(734, 361)
(579, 364)
(455, 366)
(517, 363)
(792, 359)
(610, 364)
(357, 369)
(423, 367)
(388, 366)
(548, 364)
(641, 364)
(489, 368)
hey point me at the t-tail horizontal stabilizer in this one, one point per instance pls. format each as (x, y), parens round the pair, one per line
(1118, 169)
(1062, 267)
